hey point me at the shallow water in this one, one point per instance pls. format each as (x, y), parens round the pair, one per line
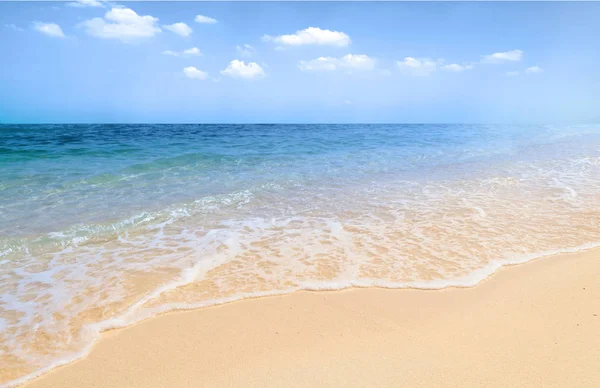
(104, 225)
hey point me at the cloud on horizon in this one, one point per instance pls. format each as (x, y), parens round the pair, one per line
(191, 52)
(456, 68)
(311, 36)
(418, 66)
(348, 62)
(502, 57)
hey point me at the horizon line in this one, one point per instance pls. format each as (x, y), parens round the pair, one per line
(299, 123)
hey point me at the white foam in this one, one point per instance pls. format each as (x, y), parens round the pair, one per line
(129, 318)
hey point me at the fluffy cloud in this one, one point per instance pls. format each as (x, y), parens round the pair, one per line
(86, 3)
(180, 29)
(533, 69)
(205, 19)
(123, 24)
(193, 73)
(511, 73)
(358, 62)
(455, 67)
(245, 50)
(507, 56)
(238, 69)
(50, 29)
(418, 66)
(348, 62)
(311, 36)
(191, 52)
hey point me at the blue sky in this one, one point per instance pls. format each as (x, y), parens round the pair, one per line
(299, 62)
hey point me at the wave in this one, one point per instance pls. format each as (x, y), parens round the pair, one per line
(129, 318)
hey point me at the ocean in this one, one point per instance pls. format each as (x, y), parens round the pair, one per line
(102, 226)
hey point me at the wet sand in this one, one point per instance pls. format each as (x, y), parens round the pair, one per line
(532, 325)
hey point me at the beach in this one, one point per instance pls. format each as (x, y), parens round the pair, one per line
(531, 325)
(107, 227)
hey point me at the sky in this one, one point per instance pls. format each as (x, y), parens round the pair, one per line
(93, 61)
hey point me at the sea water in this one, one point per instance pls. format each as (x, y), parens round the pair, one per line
(105, 225)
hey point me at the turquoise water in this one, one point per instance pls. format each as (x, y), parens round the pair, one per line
(56, 176)
(66, 175)
(104, 225)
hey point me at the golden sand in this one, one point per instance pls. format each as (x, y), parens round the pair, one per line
(534, 325)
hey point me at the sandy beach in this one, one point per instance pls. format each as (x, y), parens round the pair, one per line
(533, 325)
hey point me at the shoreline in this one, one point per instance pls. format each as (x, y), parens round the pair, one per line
(163, 341)
(472, 280)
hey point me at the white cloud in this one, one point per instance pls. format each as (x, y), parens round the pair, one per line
(311, 35)
(13, 27)
(455, 67)
(319, 64)
(418, 66)
(534, 69)
(385, 72)
(191, 52)
(194, 73)
(358, 62)
(348, 62)
(123, 24)
(425, 66)
(205, 19)
(238, 69)
(50, 29)
(245, 50)
(507, 56)
(180, 29)
(529, 70)
(86, 3)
